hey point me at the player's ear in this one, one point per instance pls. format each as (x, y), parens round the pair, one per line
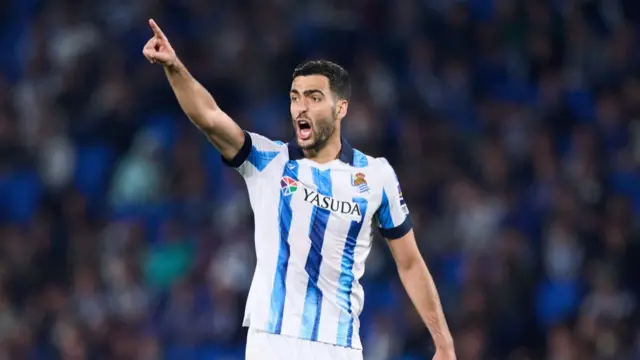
(342, 107)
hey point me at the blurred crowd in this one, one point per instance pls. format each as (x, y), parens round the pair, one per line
(513, 126)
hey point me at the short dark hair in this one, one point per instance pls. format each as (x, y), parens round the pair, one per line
(339, 82)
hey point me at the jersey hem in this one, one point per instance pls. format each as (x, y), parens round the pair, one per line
(319, 341)
(398, 231)
(242, 155)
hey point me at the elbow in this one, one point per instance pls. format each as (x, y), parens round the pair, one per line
(207, 121)
(410, 264)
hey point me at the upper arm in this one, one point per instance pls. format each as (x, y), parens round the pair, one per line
(405, 250)
(255, 154)
(226, 135)
(392, 215)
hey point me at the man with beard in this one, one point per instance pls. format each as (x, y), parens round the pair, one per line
(315, 201)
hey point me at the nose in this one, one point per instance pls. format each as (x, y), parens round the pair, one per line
(298, 108)
(302, 114)
(305, 104)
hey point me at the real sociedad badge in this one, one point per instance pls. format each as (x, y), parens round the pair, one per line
(358, 180)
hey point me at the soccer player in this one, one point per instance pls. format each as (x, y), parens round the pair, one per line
(315, 201)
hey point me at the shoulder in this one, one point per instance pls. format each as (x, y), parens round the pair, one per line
(383, 168)
(260, 141)
(257, 151)
(377, 167)
(362, 160)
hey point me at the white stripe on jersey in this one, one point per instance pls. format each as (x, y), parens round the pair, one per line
(313, 233)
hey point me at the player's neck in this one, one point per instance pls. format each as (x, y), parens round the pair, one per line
(328, 153)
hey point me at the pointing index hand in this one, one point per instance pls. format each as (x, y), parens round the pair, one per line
(158, 34)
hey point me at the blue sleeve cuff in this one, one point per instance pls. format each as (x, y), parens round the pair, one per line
(398, 231)
(242, 155)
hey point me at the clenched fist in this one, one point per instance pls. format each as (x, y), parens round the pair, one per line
(158, 49)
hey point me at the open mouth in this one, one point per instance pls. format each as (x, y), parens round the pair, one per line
(304, 129)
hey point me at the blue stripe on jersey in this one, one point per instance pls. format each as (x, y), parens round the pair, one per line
(345, 281)
(384, 213)
(260, 159)
(359, 159)
(285, 215)
(313, 298)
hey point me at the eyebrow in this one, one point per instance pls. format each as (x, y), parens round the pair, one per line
(307, 92)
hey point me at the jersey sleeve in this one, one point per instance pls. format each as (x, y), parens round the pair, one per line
(256, 154)
(393, 216)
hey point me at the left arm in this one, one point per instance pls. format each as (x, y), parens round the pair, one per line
(395, 225)
(420, 287)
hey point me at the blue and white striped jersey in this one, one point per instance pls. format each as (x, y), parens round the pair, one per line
(313, 233)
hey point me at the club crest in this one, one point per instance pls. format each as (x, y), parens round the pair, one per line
(358, 180)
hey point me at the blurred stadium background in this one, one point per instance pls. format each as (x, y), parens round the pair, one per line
(513, 125)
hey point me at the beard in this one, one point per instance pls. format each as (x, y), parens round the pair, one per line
(323, 129)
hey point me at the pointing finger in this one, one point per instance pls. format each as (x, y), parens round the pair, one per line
(156, 29)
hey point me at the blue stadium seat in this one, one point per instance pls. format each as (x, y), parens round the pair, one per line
(512, 91)
(163, 128)
(12, 33)
(42, 352)
(179, 352)
(20, 195)
(23, 10)
(155, 217)
(450, 269)
(482, 10)
(214, 168)
(580, 104)
(625, 183)
(10, 65)
(152, 215)
(93, 170)
(220, 353)
(381, 295)
(557, 300)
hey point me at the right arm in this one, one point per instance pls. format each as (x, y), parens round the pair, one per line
(203, 111)
(196, 102)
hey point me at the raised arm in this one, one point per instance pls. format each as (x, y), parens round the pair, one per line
(196, 102)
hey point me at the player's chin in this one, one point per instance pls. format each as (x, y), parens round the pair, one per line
(306, 143)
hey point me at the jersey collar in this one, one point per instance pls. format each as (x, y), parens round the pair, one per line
(346, 151)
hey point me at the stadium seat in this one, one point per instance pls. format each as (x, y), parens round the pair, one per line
(12, 34)
(450, 269)
(220, 353)
(482, 10)
(625, 183)
(556, 301)
(43, 352)
(163, 129)
(9, 67)
(512, 91)
(153, 216)
(580, 103)
(20, 195)
(381, 295)
(214, 168)
(179, 352)
(93, 169)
